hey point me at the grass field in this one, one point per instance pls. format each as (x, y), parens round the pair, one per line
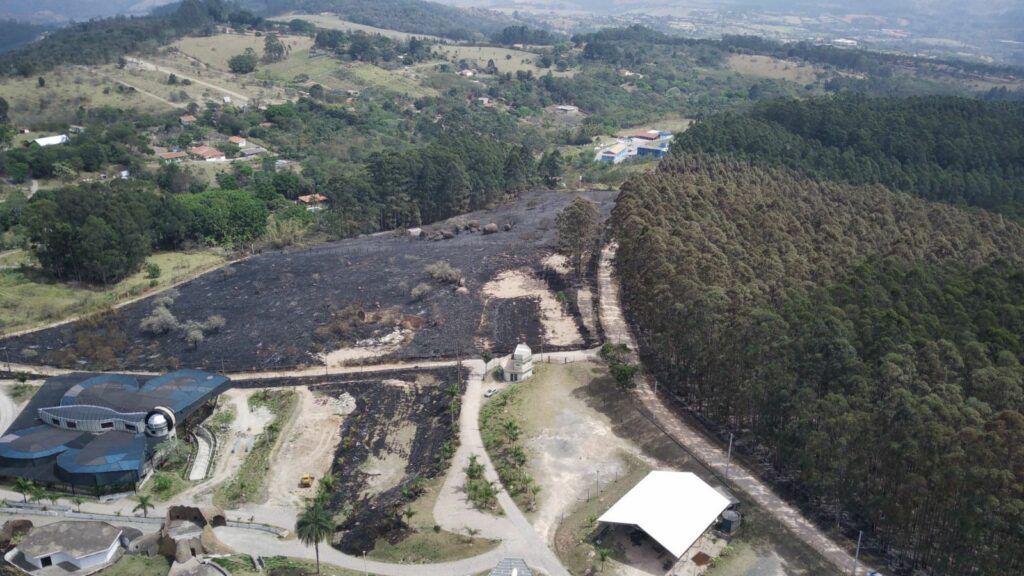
(426, 545)
(215, 51)
(66, 89)
(28, 299)
(774, 68)
(139, 565)
(506, 59)
(334, 23)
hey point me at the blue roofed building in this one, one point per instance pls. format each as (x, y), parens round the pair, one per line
(99, 433)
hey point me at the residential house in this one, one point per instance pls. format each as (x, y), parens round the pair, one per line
(614, 154)
(187, 120)
(313, 202)
(207, 153)
(176, 156)
(238, 141)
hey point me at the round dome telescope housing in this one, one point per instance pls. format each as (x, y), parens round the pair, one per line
(160, 422)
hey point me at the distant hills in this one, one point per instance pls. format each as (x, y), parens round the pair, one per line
(62, 11)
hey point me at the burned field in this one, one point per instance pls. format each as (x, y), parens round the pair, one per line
(401, 433)
(362, 300)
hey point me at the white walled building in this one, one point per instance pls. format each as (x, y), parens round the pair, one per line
(83, 545)
(520, 366)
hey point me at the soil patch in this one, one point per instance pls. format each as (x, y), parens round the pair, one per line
(559, 327)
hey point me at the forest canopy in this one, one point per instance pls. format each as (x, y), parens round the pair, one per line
(954, 150)
(866, 345)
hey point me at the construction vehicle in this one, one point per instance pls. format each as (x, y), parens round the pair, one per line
(306, 481)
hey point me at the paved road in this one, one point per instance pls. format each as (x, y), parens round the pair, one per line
(712, 455)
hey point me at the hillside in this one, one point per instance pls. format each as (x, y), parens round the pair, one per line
(413, 16)
(864, 345)
(955, 150)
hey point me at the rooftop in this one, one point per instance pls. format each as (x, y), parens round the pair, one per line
(76, 539)
(673, 508)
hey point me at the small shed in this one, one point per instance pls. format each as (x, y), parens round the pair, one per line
(520, 366)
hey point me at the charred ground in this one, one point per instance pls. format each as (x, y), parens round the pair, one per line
(283, 309)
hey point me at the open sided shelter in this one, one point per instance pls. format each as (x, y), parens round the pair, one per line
(673, 508)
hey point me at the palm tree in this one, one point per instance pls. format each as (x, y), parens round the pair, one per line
(144, 504)
(78, 500)
(24, 487)
(512, 431)
(471, 532)
(327, 485)
(314, 526)
(37, 493)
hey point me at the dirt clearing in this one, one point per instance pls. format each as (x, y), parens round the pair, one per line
(308, 446)
(559, 327)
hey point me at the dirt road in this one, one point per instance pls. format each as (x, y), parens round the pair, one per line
(242, 98)
(712, 455)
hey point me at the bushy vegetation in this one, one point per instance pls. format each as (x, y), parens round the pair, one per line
(866, 342)
(501, 432)
(103, 232)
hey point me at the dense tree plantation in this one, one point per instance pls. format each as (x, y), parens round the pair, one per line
(864, 345)
(941, 148)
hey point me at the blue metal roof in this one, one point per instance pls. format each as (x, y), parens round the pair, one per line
(110, 452)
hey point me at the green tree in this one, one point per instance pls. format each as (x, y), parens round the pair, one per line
(578, 225)
(24, 487)
(145, 505)
(314, 526)
(243, 63)
(273, 49)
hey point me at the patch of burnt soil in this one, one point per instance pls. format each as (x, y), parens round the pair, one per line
(382, 411)
(514, 320)
(280, 309)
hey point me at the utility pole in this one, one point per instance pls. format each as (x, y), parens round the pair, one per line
(366, 571)
(856, 557)
(728, 458)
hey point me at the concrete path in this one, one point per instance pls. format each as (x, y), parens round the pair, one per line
(710, 454)
(204, 452)
(8, 410)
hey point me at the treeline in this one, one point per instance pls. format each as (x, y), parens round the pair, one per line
(955, 150)
(104, 41)
(863, 344)
(423, 185)
(525, 35)
(372, 48)
(103, 232)
(413, 16)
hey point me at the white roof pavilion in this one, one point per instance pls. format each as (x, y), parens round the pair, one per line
(673, 508)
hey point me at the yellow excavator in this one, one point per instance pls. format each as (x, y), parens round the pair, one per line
(306, 481)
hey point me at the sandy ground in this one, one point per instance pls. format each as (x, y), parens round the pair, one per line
(307, 446)
(387, 471)
(375, 348)
(559, 327)
(572, 447)
(558, 263)
(9, 409)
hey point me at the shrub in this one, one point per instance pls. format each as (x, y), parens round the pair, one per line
(160, 321)
(214, 323)
(194, 334)
(442, 271)
(152, 270)
(420, 291)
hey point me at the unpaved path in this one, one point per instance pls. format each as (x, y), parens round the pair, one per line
(710, 454)
(306, 446)
(242, 98)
